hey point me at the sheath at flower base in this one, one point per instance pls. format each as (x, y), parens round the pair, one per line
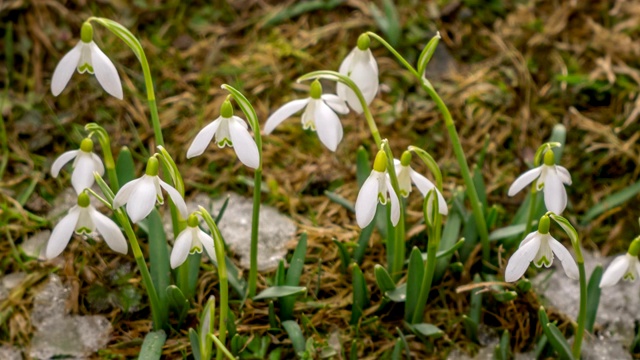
(377, 188)
(87, 57)
(361, 67)
(551, 178)
(539, 247)
(140, 195)
(231, 131)
(406, 175)
(625, 266)
(319, 115)
(190, 241)
(84, 219)
(85, 163)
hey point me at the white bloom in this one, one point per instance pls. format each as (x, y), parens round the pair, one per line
(85, 220)
(550, 180)
(625, 267)
(87, 57)
(141, 195)
(84, 165)
(190, 241)
(229, 131)
(319, 115)
(539, 248)
(361, 67)
(406, 175)
(377, 188)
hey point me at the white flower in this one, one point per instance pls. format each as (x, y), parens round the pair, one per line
(625, 267)
(361, 67)
(319, 115)
(406, 175)
(190, 241)
(84, 219)
(550, 180)
(87, 57)
(141, 194)
(539, 248)
(84, 165)
(231, 131)
(377, 188)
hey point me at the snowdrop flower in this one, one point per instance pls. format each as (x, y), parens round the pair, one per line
(84, 165)
(406, 175)
(551, 178)
(230, 131)
(190, 241)
(319, 115)
(625, 266)
(377, 188)
(539, 247)
(141, 194)
(87, 57)
(84, 219)
(361, 67)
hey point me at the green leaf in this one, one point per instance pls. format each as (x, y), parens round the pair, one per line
(172, 168)
(363, 243)
(246, 108)
(450, 234)
(194, 341)
(568, 229)
(505, 296)
(427, 54)
(280, 291)
(558, 341)
(399, 294)
(345, 258)
(295, 334)
(223, 208)
(610, 202)
(340, 201)
(388, 22)
(125, 167)
(360, 294)
(293, 277)
(363, 169)
(298, 8)
(470, 328)
(593, 297)
(509, 231)
(383, 279)
(158, 256)
(152, 345)
(428, 330)
(178, 302)
(502, 349)
(414, 283)
(124, 34)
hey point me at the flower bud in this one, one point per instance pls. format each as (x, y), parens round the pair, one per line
(86, 33)
(152, 167)
(316, 90)
(405, 160)
(363, 42)
(83, 200)
(226, 110)
(549, 158)
(380, 163)
(86, 145)
(192, 221)
(544, 224)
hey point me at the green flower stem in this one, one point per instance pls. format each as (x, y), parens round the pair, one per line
(532, 209)
(472, 193)
(582, 315)
(109, 162)
(255, 223)
(222, 275)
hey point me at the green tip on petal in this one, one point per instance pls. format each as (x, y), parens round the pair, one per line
(192, 221)
(83, 200)
(363, 42)
(544, 224)
(86, 145)
(152, 167)
(549, 158)
(316, 89)
(405, 160)
(86, 33)
(380, 163)
(226, 110)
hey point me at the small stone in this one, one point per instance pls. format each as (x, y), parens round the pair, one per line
(8, 352)
(9, 282)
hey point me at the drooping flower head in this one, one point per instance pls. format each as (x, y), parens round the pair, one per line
(190, 241)
(551, 178)
(83, 218)
(140, 195)
(539, 247)
(361, 67)
(406, 175)
(231, 131)
(319, 115)
(626, 267)
(377, 188)
(84, 165)
(86, 56)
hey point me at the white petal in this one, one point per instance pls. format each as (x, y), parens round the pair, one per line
(555, 196)
(366, 77)
(528, 238)
(564, 174)
(123, 195)
(176, 198)
(82, 177)
(520, 260)
(207, 243)
(244, 144)
(328, 126)
(61, 234)
(65, 69)
(98, 166)
(561, 252)
(61, 161)
(424, 185)
(105, 72)
(336, 103)
(367, 201)
(110, 232)
(395, 203)
(181, 248)
(202, 140)
(615, 271)
(524, 180)
(85, 221)
(142, 200)
(283, 113)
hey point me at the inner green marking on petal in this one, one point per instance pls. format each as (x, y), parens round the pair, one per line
(382, 198)
(629, 276)
(195, 249)
(225, 142)
(543, 261)
(83, 230)
(86, 67)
